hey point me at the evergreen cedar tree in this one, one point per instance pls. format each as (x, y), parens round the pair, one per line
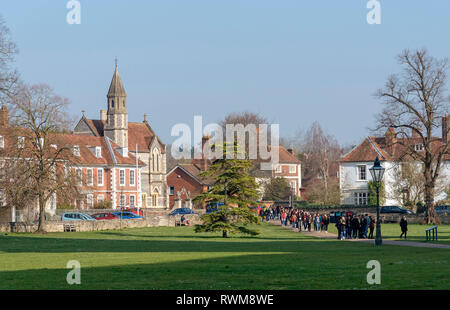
(234, 187)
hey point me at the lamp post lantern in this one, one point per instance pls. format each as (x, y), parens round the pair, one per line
(377, 172)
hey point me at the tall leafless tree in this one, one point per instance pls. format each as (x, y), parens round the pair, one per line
(318, 150)
(8, 77)
(414, 104)
(37, 154)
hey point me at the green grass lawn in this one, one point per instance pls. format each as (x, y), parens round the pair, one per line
(416, 232)
(178, 258)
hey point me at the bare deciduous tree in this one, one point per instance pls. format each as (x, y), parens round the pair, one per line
(37, 156)
(319, 150)
(414, 106)
(8, 77)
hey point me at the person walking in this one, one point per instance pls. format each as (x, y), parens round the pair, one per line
(371, 227)
(349, 226)
(325, 222)
(403, 226)
(366, 225)
(361, 227)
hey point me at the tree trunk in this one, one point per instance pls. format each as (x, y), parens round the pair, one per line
(224, 234)
(430, 214)
(41, 226)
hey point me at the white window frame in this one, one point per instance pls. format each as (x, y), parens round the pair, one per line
(100, 198)
(76, 150)
(122, 172)
(132, 198)
(293, 185)
(278, 169)
(132, 179)
(2, 142)
(90, 200)
(358, 172)
(292, 169)
(98, 151)
(123, 200)
(89, 176)
(361, 198)
(100, 172)
(79, 175)
(20, 142)
(418, 147)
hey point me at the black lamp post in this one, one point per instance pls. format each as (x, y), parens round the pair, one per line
(377, 172)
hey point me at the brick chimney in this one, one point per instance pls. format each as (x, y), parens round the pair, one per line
(4, 117)
(415, 134)
(103, 116)
(291, 151)
(391, 139)
(445, 128)
(204, 159)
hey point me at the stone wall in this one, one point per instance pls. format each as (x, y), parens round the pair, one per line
(152, 219)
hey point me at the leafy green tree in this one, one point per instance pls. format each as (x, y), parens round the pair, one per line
(373, 194)
(237, 190)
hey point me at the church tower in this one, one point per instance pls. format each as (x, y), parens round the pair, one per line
(116, 127)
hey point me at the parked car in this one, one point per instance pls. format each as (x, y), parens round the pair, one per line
(213, 206)
(180, 211)
(135, 210)
(442, 209)
(394, 209)
(76, 216)
(127, 215)
(104, 216)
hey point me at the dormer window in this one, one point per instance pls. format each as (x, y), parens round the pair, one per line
(2, 142)
(76, 150)
(20, 142)
(98, 151)
(418, 147)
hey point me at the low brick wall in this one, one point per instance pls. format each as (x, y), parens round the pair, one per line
(152, 219)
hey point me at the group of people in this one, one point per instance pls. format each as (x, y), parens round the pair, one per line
(296, 218)
(355, 227)
(348, 227)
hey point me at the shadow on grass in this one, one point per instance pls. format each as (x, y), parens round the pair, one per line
(266, 272)
(22, 244)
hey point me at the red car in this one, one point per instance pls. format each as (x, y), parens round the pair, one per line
(104, 216)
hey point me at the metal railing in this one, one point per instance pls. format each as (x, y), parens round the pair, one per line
(432, 234)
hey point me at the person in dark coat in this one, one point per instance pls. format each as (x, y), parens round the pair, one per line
(362, 224)
(371, 227)
(355, 227)
(403, 226)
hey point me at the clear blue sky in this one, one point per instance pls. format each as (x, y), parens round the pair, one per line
(292, 61)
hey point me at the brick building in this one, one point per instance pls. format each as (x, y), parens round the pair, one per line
(106, 172)
(137, 138)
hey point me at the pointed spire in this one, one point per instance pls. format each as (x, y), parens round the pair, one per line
(116, 88)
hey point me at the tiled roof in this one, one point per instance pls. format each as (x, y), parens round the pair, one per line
(194, 171)
(372, 147)
(287, 157)
(86, 144)
(140, 134)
